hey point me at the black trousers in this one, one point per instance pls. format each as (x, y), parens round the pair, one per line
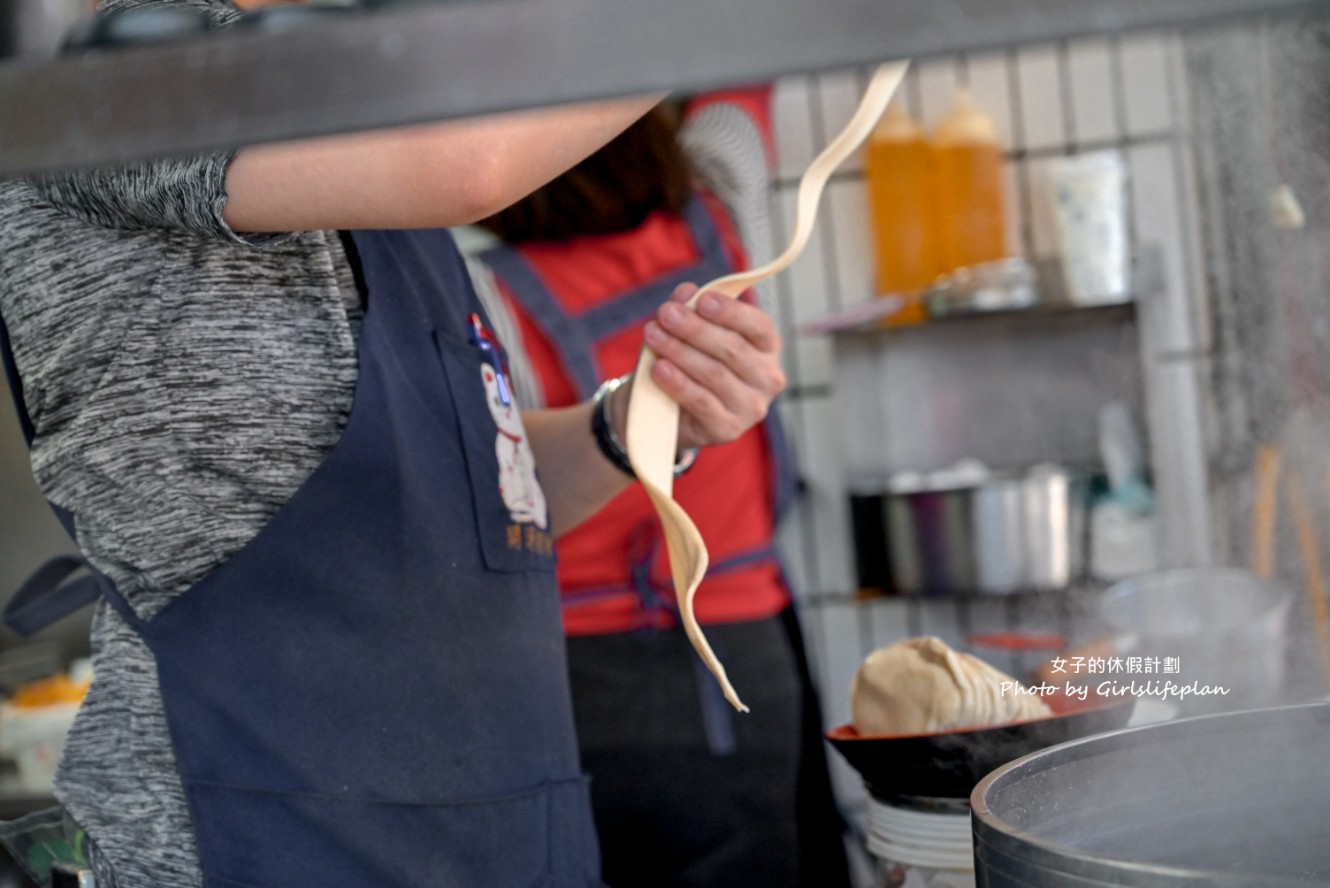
(688, 793)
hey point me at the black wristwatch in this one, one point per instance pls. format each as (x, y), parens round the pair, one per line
(602, 429)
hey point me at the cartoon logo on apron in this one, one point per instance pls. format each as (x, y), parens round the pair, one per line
(518, 485)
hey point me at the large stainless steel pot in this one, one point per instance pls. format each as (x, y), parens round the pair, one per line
(1238, 799)
(1010, 532)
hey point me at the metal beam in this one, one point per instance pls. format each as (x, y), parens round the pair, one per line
(399, 64)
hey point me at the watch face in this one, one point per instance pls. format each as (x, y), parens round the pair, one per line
(684, 461)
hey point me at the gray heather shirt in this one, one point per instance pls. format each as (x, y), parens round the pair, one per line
(183, 383)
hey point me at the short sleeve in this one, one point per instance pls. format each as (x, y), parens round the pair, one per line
(181, 193)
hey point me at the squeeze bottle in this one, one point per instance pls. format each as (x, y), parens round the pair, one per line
(972, 224)
(898, 166)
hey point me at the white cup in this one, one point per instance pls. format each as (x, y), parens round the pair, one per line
(35, 738)
(1090, 216)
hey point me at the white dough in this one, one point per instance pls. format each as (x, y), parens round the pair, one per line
(922, 686)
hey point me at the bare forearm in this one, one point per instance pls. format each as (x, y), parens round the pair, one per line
(436, 175)
(578, 481)
(719, 362)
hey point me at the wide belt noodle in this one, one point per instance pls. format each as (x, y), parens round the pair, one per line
(653, 416)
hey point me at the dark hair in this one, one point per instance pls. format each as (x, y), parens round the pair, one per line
(642, 170)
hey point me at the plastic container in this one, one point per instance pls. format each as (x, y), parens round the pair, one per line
(1222, 627)
(34, 737)
(898, 167)
(971, 208)
(1090, 215)
(35, 721)
(921, 843)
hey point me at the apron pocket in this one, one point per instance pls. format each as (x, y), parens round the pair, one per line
(264, 839)
(512, 516)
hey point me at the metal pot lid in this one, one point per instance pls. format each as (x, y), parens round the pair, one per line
(1233, 800)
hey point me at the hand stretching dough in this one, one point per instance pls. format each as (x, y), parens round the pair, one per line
(922, 686)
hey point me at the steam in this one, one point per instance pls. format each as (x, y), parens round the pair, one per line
(1246, 792)
(1260, 105)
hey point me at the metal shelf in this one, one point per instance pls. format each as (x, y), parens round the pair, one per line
(855, 324)
(865, 320)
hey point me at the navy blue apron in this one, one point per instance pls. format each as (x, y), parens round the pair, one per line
(373, 692)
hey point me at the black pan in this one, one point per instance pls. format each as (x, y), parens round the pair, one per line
(949, 764)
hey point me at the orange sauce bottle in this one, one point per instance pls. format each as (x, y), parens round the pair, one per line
(898, 167)
(972, 226)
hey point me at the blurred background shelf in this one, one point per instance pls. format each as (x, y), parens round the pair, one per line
(1051, 302)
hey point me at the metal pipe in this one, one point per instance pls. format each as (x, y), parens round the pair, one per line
(400, 64)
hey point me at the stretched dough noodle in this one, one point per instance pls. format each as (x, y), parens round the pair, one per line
(653, 416)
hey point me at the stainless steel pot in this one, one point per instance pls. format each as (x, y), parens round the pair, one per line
(1235, 800)
(1012, 531)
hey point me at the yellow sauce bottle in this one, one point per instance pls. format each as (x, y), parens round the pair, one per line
(898, 166)
(972, 225)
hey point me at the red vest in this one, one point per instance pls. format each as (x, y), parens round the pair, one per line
(581, 306)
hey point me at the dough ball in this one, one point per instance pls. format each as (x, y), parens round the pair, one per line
(922, 686)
